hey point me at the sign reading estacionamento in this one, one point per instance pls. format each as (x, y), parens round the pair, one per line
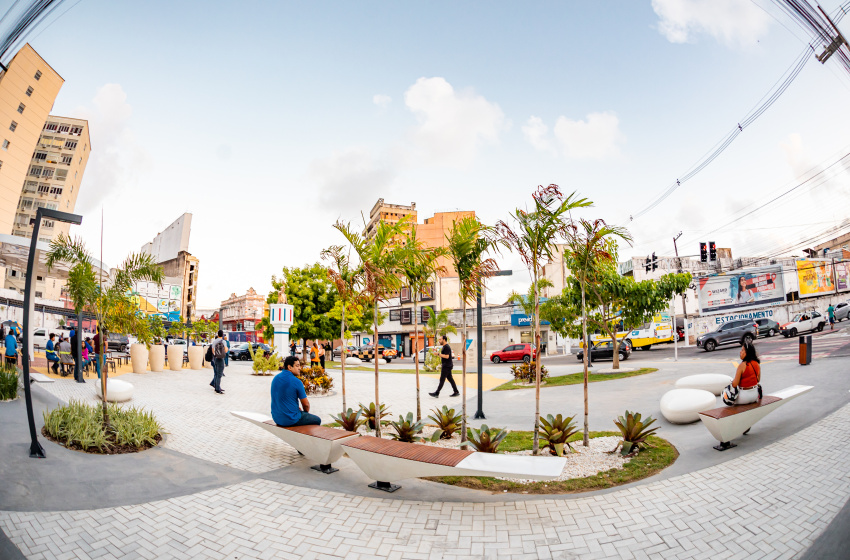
(739, 290)
(815, 278)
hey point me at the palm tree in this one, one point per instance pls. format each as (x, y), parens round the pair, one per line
(534, 240)
(468, 242)
(347, 280)
(590, 244)
(112, 307)
(379, 256)
(417, 267)
(526, 301)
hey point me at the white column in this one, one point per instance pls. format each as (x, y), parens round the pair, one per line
(280, 315)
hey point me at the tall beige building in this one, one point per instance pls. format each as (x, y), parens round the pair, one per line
(28, 88)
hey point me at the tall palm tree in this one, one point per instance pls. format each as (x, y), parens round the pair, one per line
(418, 266)
(469, 241)
(438, 325)
(348, 280)
(526, 301)
(534, 237)
(379, 256)
(590, 244)
(111, 305)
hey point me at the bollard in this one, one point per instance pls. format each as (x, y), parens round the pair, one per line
(805, 350)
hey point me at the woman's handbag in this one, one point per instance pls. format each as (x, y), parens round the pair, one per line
(730, 395)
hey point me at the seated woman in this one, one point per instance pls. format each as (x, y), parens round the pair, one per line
(747, 378)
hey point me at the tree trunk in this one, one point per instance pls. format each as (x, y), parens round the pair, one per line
(416, 356)
(586, 440)
(342, 354)
(375, 358)
(616, 351)
(536, 446)
(463, 373)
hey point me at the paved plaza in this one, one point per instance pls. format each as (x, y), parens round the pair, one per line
(218, 487)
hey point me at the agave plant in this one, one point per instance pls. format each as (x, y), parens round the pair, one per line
(350, 419)
(407, 430)
(634, 432)
(446, 420)
(369, 414)
(557, 430)
(486, 440)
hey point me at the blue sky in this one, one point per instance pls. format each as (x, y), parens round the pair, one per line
(271, 120)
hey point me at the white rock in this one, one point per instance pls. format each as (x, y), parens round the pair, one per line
(353, 361)
(711, 382)
(116, 390)
(682, 406)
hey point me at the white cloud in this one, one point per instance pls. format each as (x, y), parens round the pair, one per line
(452, 125)
(732, 22)
(381, 100)
(348, 177)
(536, 132)
(597, 137)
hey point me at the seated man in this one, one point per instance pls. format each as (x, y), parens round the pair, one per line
(287, 393)
(50, 354)
(11, 348)
(66, 359)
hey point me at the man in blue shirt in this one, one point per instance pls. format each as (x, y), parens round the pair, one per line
(50, 354)
(287, 393)
(11, 348)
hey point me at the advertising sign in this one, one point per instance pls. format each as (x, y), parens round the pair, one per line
(162, 305)
(523, 320)
(176, 292)
(746, 289)
(842, 276)
(815, 278)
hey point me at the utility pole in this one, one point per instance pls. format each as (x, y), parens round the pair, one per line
(684, 305)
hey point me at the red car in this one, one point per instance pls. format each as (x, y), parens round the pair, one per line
(514, 353)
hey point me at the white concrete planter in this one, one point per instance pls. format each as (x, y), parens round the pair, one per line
(175, 357)
(116, 390)
(156, 357)
(139, 358)
(196, 357)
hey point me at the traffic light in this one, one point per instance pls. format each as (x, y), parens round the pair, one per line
(703, 252)
(712, 251)
(647, 263)
(654, 262)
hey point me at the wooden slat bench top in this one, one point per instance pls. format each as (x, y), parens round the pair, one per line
(726, 411)
(321, 432)
(411, 451)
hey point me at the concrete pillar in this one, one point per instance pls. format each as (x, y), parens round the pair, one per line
(280, 315)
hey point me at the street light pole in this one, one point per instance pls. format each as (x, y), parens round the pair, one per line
(479, 414)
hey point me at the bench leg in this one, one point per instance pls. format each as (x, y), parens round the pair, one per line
(724, 445)
(327, 469)
(385, 486)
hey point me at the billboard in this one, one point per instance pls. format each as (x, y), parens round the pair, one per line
(815, 278)
(744, 289)
(842, 276)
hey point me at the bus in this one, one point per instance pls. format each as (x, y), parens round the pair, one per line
(658, 331)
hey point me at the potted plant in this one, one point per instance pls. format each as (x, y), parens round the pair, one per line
(156, 352)
(196, 353)
(175, 351)
(139, 350)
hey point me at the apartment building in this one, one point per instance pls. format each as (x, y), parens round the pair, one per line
(242, 313)
(389, 213)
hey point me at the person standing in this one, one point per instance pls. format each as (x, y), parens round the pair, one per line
(11, 348)
(320, 349)
(292, 347)
(314, 354)
(98, 352)
(227, 355)
(446, 369)
(831, 312)
(219, 352)
(329, 352)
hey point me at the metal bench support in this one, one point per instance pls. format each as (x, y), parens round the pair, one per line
(724, 445)
(326, 469)
(385, 486)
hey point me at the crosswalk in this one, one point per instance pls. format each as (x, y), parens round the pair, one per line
(822, 347)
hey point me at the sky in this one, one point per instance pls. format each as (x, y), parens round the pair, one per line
(270, 121)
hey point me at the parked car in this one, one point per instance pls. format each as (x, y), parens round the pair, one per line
(802, 322)
(349, 351)
(366, 353)
(767, 327)
(605, 351)
(117, 342)
(842, 311)
(240, 351)
(514, 353)
(733, 332)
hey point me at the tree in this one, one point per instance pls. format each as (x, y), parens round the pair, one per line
(379, 256)
(533, 237)
(468, 242)
(347, 280)
(438, 325)
(110, 304)
(526, 301)
(266, 326)
(591, 244)
(312, 295)
(418, 266)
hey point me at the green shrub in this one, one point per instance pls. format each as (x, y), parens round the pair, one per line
(369, 414)
(485, 440)
(8, 382)
(634, 431)
(408, 431)
(556, 431)
(350, 420)
(525, 372)
(79, 424)
(446, 420)
(432, 359)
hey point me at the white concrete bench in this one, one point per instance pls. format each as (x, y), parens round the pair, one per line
(386, 461)
(116, 390)
(711, 382)
(730, 422)
(36, 377)
(317, 443)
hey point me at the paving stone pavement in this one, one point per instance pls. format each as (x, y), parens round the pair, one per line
(771, 503)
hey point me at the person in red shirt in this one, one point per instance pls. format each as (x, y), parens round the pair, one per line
(748, 375)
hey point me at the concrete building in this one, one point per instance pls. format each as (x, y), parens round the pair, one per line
(389, 213)
(242, 313)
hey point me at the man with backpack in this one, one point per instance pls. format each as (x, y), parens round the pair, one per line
(219, 351)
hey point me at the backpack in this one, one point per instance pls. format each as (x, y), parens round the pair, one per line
(209, 355)
(220, 349)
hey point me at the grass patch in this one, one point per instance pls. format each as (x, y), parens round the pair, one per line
(8, 382)
(575, 379)
(79, 426)
(659, 455)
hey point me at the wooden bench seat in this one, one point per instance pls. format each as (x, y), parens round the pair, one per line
(317, 443)
(386, 461)
(730, 422)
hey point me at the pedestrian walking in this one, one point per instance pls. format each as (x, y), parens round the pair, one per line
(292, 348)
(446, 369)
(219, 351)
(831, 312)
(320, 349)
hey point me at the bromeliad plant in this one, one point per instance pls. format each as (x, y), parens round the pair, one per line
(635, 432)
(556, 432)
(369, 414)
(486, 440)
(526, 373)
(407, 430)
(446, 420)
(349, 420)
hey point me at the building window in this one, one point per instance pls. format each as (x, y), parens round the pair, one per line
(13, 126)
(76, 131)
(5, 144)
(395, 314)
(424, 315)
(404, 296)
(38, 294)
(1, 164)
(67, 160)
(47, 173)
(40, 156)
(43, 189)
(35, 171)
(64, 128)
(56, 190)
(61, 174)
(51, 126)
(49, 223)
(29, 91)
(406, 316)
(427, 292)
(70, 144)
(21, 108)
(38, 74)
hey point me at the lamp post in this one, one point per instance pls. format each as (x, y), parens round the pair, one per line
(479, 414)
(36, 451)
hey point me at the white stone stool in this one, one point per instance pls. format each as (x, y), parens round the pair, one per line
(682, 406)
(116, 390)
(711, 382)
(352, 361)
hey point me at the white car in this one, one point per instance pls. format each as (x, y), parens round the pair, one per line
(842, 311)
(802, 322)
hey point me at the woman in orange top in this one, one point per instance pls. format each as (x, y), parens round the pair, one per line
(748, 375)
